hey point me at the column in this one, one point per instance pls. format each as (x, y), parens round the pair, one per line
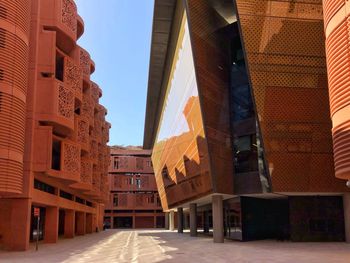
(218, 219)
(180, 225)
(112, 221)
(171, 221)
(69, 222)
(81, 223)
(206, 222)
(346, 205)
(15, 223)
(193, 220)
(88, 224)
(166, 219)
(51, 224)
(186, 221)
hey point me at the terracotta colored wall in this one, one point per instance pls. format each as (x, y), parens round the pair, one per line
(285, 55)
(14, 56)
(210, 60)
(52, 126)
(132, 182)
(336, 16)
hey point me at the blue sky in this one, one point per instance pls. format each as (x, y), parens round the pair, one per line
(117, 36)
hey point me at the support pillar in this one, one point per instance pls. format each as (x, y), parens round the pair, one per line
(89, 228)
(193, 220)
(346, 205)
(180, 221)
(218, 219)
(206, 222)
(69, 223)
(15, 223)
(51, 224)
(112, 221)
(166, 220)
(81, 223)
(171, 221)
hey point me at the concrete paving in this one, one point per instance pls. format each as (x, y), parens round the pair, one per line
(166, 246)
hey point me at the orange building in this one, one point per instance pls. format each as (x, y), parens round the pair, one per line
(53, 133)
(133, 201)
(238, 119)
(336, 17)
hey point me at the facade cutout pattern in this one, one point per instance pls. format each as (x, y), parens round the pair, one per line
(73, 76)
(93, 150)
(85, 62)
(86, 171)
(83, 131)
(65, 102)
(289, 83)
(94, 92)
(69, 14)
(71, 158)
(87, 107)
(96, 180)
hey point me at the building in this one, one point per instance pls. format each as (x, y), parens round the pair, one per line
(53, 133)
(336, 14)
(238, 119)
(133, 201)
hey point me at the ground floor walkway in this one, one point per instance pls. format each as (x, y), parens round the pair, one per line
(166, 246)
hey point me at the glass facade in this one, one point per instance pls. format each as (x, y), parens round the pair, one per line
(247, 146)
(180, 155)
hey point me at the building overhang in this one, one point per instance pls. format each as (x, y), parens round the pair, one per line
(163, 15)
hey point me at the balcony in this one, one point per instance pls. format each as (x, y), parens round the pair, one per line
(55, 105)
(96, 184)
(87, 108)
(73, 77)
(127, 201)
(93, 151)
(63, 19)
(85, 175)
(80, 26)
(56, 157)
(85, 64)
(96, 93)
(81, 133)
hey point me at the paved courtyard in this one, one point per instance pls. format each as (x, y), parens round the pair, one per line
(165, 246)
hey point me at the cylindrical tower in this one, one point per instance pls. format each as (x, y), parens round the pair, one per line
(337, 26)
(14, 55)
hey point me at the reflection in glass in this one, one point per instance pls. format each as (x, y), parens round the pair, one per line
(180, 155)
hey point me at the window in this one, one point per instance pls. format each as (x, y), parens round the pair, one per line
(149, 164)
(79, 200)
(44, 187)
(138, 183)
(131, 181)
(246, 154)
(56, 155)
(115, 200)
(116, 163)
(66, 195)
(59, 66)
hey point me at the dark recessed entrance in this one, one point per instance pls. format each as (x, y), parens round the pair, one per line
(122, 222)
